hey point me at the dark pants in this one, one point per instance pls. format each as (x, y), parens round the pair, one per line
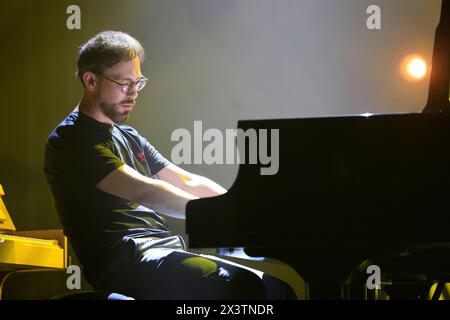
(161, 273)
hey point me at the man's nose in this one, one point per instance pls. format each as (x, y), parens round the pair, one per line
(133, 93)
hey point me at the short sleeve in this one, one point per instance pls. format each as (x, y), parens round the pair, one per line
(156, 161)
(83, 163)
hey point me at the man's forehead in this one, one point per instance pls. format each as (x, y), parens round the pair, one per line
(126, 69)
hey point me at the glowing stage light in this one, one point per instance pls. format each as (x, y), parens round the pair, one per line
(413, 68)
(417, 68)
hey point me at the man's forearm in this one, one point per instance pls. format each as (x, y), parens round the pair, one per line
(203, 187)
(166, 198)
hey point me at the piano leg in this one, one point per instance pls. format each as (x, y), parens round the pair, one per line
(3, 276)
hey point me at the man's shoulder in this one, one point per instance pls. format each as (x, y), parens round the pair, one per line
(65, 127)
(129, 130)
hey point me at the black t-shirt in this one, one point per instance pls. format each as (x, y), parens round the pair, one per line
(79, 153)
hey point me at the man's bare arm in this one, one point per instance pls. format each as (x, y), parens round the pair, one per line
(192, 183)
(159, 195)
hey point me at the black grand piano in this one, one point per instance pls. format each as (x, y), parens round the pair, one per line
(348, 189)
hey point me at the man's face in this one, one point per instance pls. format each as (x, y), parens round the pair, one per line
(115, 104)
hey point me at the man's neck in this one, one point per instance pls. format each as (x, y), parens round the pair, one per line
(89, 108)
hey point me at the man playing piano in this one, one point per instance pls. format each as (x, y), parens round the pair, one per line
(110, 186)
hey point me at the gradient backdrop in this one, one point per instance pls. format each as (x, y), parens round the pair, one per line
(212, 60)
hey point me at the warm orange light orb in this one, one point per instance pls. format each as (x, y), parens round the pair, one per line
(414, 68)
(417, 68)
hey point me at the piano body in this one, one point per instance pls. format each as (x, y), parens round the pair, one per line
(25, 251)
(348, 189)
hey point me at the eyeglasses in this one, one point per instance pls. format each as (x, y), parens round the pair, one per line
(128, 85)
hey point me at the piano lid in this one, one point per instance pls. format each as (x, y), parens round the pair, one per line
(6, 223)
(438, 95)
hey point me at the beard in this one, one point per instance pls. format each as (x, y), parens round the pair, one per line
(113, 112)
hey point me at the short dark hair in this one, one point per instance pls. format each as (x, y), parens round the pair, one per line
(106, 49)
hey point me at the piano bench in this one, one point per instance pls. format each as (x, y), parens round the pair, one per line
(90, 295)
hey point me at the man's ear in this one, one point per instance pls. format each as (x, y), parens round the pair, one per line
(90, 81)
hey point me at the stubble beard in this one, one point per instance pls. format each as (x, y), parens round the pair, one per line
(111, 110)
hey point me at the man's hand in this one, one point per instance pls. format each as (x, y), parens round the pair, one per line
(194, 184)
